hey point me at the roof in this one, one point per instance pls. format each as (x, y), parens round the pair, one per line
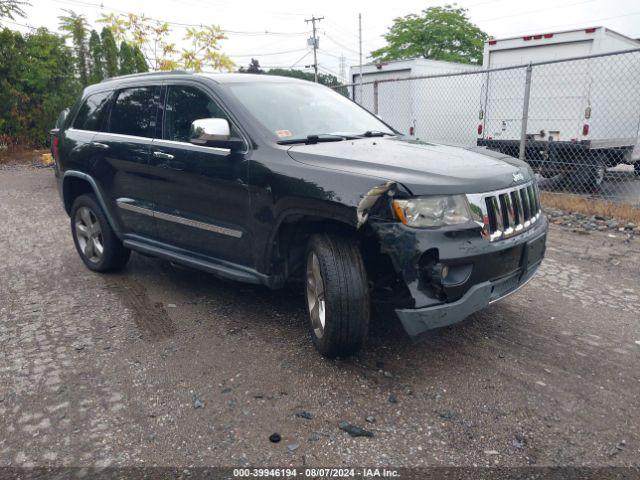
(415, 60)
(216, 77)
(568, 31)
(248, 78)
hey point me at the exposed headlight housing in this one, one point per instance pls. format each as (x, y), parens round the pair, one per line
(433, 211)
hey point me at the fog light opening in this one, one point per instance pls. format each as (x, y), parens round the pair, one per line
(439, 272)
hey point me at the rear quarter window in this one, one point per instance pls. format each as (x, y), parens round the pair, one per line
(92, 113)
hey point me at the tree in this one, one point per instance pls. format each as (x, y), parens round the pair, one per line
(139, 60)
(439, 33)
(152, 38)
(204, 50)
(126, 60)
(97, 57)
(37, 81)
(109, 53)
(75, 27)
(12, 8)
(254, 67)
(323, 78)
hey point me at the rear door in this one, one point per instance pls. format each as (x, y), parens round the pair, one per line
(200, 193)
(124, 164)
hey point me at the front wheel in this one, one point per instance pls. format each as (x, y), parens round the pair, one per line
(337, 294)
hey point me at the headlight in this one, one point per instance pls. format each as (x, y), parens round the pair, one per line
(433, 211)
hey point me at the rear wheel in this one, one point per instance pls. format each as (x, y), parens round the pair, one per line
(98, 246)
(337, 295)
(588, 175)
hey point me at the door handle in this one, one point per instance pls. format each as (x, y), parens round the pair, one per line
(163, 155)
(101, 146)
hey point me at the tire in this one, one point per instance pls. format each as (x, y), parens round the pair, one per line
(588, 175)
(98, 246)
(343, 291)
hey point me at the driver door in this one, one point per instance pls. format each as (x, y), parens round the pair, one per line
(200, 193)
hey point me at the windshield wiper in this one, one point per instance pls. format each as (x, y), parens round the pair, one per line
(313, 139)
(376, 133)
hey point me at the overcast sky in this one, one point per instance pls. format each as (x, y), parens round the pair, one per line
(244, 20)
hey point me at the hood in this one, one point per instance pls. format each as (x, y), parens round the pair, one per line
(423, 168)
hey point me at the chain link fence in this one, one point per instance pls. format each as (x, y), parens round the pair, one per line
(575, 121)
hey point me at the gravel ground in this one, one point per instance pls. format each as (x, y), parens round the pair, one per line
(580, 222)
(158, 365)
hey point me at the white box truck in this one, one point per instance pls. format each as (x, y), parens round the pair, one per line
(584, 115)
(435, 108)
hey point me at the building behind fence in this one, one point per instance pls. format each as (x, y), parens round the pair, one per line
(575, 121)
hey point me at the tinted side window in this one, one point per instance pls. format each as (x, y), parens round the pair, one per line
(91, 115)
(183, 106)
(134, 112)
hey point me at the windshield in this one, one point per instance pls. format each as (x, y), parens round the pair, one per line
(295, 110)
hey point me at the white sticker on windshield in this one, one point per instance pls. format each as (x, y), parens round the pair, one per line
(283, 133)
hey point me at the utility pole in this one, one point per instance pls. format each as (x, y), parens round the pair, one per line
(314, 41)
(360, 42)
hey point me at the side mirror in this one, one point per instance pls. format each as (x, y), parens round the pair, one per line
(214, 132)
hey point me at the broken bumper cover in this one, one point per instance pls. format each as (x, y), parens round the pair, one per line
(479, 272)
(420, 320)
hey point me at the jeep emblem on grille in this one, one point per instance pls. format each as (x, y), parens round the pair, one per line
(518, 177)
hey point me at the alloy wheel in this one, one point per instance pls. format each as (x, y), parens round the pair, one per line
(315, 295)
(89, 235)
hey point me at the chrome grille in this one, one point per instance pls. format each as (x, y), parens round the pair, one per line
(505, 213)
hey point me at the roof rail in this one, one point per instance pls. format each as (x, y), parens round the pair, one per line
(134, 75)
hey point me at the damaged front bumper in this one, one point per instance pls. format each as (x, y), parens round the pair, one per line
(419, 320)
(478, 272)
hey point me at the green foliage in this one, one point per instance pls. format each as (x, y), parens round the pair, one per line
(439, 33)
(140, 61)
(12, 8)
(254, 67)
(97, 60)
(35, 84)
(109, 53)
(153, 39)
(126, 60)
(76, 27)
(323, 78)
(40, 75)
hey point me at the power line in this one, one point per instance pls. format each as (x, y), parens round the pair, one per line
(340, 44)
(328, 70)
(300, 59)
(102, 6)
(18, 24)
(265, 54)
(349, 36)
(585, 22)
(343, 31)
(233, 8)
(481, 3)
(533, 11)
(337, 57)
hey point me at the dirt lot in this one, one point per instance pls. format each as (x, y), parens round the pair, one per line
(158, 365)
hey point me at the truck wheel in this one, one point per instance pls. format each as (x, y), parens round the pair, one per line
(98, 246)
(588, 175)
(337, 295)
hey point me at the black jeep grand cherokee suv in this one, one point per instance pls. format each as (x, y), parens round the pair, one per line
(266, 180)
